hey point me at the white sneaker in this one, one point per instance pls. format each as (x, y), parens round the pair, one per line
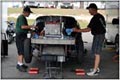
(93, 73)
(98, 69)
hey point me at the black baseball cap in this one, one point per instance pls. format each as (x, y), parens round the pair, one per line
(92, 5)
(27, 9)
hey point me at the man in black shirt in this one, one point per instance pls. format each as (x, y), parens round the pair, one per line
(97, 28)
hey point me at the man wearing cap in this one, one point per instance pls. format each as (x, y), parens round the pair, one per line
(22, 29)
(97, 28)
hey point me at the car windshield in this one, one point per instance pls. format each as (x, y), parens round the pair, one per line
(66, 3)
(31, 2)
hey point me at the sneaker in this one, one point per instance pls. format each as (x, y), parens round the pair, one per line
(21, 68)
(93, 73)
(24, 66)
(98, 69)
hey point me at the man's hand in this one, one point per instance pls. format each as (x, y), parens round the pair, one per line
(81, 30)
(42, 33)
(33, 27)
(76, 30)
(29, 27)
(36, 27)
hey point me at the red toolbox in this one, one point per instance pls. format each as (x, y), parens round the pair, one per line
(80, 72)
(33, 71)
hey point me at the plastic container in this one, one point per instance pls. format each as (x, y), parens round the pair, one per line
(69, 31)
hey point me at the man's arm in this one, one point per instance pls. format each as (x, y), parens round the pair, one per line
(26, 27)
(81, 30)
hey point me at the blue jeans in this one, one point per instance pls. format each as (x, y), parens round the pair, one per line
(97, 43)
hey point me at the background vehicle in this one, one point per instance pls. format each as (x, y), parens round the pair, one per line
(10, 31)
(43, 5)
(32, 4)
(112, 24)
(51, 5)
(68, 22)
(67, 5)
(40, 4)
(112, 30)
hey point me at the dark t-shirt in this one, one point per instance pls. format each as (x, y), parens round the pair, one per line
(21, 20)
(97, 25)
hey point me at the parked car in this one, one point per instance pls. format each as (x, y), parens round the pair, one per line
(43, 5)
(32, 4)
(112, 24)
(112, 34)
(51, 5)
(59, 24)
(67, 5)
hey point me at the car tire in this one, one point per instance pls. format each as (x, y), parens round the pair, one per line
(27, 51)
(80, 57)
(80, 52)
(108, 43)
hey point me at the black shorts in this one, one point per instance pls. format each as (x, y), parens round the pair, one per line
(20, 38)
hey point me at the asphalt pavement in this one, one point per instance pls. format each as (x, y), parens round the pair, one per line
(109, 69)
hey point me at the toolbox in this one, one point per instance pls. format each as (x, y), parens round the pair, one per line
(33, 71)
(80, 72)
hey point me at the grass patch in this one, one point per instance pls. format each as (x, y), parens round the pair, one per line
(30, 21)
(12, 19)
(46, 11)
(50, 11)
(14, 10)
(54, 11)
(83, 24)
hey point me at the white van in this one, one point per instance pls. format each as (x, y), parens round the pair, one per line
(112, 29)
(112, 23)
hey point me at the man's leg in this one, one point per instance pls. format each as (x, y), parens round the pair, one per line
(20, 47)
(97, 61)
(96, 69)
(20, 59)
(96, 49)
(20, 66)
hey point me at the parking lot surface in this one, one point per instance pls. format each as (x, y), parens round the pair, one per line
(109, 69)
